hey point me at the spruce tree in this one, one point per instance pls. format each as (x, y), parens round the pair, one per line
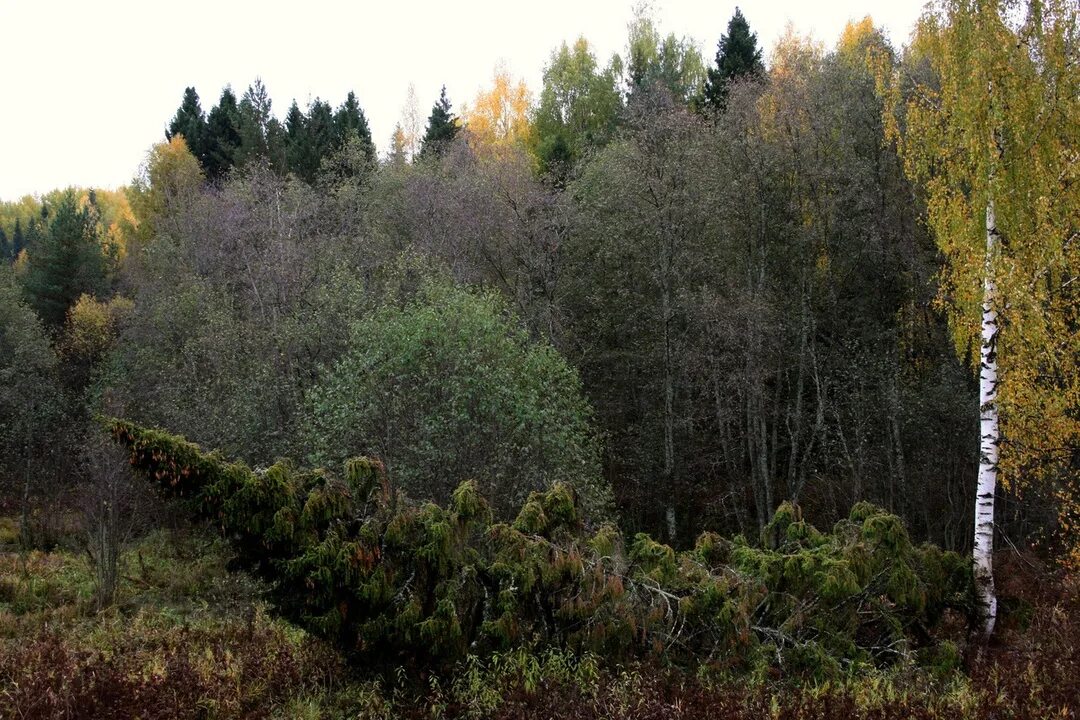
(222, 136)
(737, 56)
(190, 121)
(349, 123)
(18, 240)
(5, 246)
(255, 114)
(298, 144)
(66, 262)
(277, 146)
(310, 138)
(323, 137)
(442, 127)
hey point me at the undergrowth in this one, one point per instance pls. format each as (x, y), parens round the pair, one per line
(192, 639)
(560, 621)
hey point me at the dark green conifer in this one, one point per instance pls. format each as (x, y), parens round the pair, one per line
(222, 136)
(737, 56)
(310, 138)
(442, 127)
(66, 262)
(299, 148)
(190, 122)
(349, 123)
(277, 146)
(255, 114)
(322, 131)
(18, 240)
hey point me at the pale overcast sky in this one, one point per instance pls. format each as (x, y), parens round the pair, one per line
(87, 87)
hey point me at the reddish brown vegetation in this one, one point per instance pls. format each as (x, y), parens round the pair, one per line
(256, 668)
(232, 672)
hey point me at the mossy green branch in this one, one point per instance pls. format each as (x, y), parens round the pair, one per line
(398, 582)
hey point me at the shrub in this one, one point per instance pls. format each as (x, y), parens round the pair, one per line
(448, 387)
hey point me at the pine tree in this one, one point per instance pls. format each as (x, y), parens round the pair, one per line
(442, 127)
(5, 247)
(66, 263)
(222, 136)
(737, 57)
(190, 121)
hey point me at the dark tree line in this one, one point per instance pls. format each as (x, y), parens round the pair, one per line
(234, 133)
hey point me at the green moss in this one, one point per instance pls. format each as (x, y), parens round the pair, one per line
(561, 507)
(712, 550)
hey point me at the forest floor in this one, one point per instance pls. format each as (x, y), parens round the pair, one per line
(188, 637)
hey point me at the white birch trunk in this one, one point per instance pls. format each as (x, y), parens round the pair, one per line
(989, 439)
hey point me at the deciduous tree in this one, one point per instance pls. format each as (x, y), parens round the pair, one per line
(499, 116)
(992, 133)
(579, 107)
(446, 387)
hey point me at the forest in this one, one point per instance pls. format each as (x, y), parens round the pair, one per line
(731, 384)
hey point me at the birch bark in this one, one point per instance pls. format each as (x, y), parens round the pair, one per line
(989, 437)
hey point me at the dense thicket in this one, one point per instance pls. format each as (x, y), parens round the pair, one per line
(243, 295)
(31, 399)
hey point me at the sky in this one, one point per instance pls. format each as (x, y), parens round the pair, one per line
(87, 87)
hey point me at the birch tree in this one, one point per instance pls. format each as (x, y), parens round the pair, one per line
(989, 127)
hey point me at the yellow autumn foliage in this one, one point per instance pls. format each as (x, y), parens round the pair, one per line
(995, 113)
(170, 172)
(92, 326)
(499, 116)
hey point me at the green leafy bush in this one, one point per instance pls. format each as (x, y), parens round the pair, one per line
(447, 387)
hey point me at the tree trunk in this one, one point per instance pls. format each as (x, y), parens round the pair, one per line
(669, 419)
(989, 440)
(24, 515)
